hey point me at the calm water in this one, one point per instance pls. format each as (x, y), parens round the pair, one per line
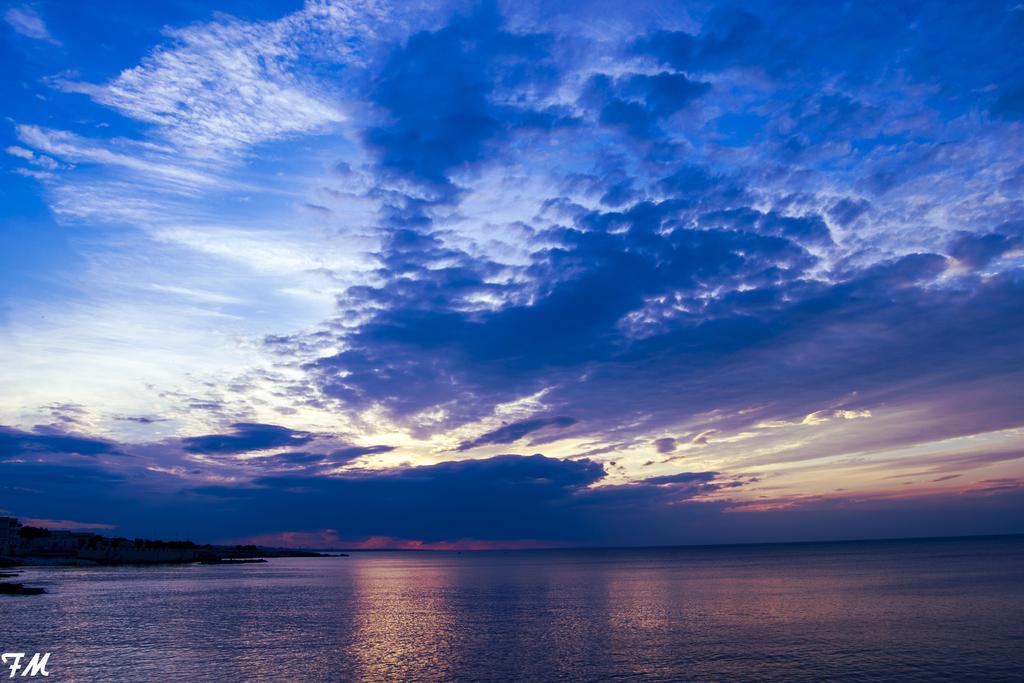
(859, 611)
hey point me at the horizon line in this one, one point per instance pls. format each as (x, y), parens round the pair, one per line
(689, 546)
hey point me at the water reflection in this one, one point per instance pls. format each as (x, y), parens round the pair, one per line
(805, 612)
(402, 619)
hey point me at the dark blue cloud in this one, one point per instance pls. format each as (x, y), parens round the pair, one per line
(516, 430)
(515, 497)
(349, 453)
(584, 320)
(730, 36)
(846, 210)
(619, 193)
(807, 229)
(18, 443)
(438, 93)
(977, 251)
(309, 462)
(507, 497)
(246, 436)
(665, 445)
(421, 348)
(297, 458)
(664, 93)
(681, 478)
(501, 498)
(689, 181)
(638, 102)
(961, 50)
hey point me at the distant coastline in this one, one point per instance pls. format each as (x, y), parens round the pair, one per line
(24, 545)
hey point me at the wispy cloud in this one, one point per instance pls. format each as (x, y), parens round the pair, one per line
(154, 165)
(35, 159)
(27, 22)
(222, 86)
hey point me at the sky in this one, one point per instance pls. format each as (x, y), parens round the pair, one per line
(521, 274)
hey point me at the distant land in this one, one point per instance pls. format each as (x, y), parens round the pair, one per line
(31, 545)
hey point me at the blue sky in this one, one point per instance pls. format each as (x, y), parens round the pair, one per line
(513, 273)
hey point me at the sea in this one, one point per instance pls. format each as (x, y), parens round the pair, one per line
(945, 609)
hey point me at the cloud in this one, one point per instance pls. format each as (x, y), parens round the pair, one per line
(638, 102)
(681, 478)
(665, 444)
(246, 437)
(350, 453)
(977, 251)
(846, 210)
(27, 22)
(516, 430)
(502, 498)
(247, 452)
(141, 419)
(221, 86)
(442, 96)
(502, 501)
(37, 160)
(807, 229)
(582, 296)
(15, 443)
(625, 320)
(136, 158)
(729, 37)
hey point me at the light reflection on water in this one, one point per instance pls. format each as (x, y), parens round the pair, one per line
(925, 610)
